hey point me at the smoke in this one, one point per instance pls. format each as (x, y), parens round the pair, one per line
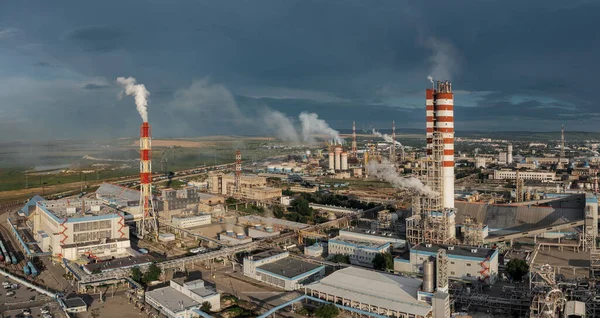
(444, 59)
(311, 125)
(386, 137)
(280, 125)
(387, 172)
(430, 78)
(140, 93)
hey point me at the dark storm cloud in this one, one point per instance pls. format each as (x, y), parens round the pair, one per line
(95, 86)
(96, 38)
(517, 63)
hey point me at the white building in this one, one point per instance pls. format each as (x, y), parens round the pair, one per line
(362, 247)
(185, 222)
(525, 175)
(480, 162)
(315, 250)
(502, 158)
(466, 263)
(374, 292)
(74, 228)
(180, 298)
(276, 268)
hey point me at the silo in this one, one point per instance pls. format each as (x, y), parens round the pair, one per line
(344, 161)
(428, 276)
(338, 157)
(331, 161)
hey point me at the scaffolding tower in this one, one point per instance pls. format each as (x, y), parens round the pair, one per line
(519, 188)
(595, 263)
(472, 232)
(590, 227)
(441, 268)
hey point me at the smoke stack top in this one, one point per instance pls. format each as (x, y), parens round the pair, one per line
(139, 92)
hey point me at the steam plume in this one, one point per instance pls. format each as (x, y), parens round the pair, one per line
(444, 59)
(311, 124)
(430, 78)
(280, 125)
(387, 172)
(140, 93)
(386, 137)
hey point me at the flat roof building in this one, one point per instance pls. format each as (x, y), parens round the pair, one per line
(362, 247)
(74, 305)
(465, 262)
(179, 299)
(73, 228)
(375, 292)
(276, 268)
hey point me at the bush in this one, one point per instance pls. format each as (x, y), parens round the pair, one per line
(383, 261)
(206, 307)
(517, 268)
(339, 258)
(327, 311)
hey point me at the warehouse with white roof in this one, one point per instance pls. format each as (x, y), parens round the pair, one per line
(376, 292)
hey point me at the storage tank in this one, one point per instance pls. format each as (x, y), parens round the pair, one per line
(428, 276)
(269, 229)
(229, 232)
(258, 226)
(271, 168)
(241, 235)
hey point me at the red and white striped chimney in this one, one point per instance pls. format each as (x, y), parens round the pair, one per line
(145, 169)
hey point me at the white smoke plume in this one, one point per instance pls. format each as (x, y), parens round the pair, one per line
(387, 172)
(385, 137)
(444, 59)
(312, 124)
(430, 78)
(279, 124)
(140, 93)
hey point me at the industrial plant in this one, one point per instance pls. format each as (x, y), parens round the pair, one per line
(373, 226)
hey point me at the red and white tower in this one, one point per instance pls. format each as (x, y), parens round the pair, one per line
(439, 105)
(393, 152)
(148, 224)
(238, 171)
(354, 152)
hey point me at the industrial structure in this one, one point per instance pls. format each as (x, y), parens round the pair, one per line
(433, 214)
(181, 298)
(338, 158)
(148, 224)
(354, 152)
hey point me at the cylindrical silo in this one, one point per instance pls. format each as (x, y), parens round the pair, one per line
(344, 161)
(428, 276)
(338, 157)
(331, 161)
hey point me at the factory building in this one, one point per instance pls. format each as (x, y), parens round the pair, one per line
(72, 228)
(261, 193)
(480, 162)
(179, 299)
(465, 262)
(276, 268)
(224, 184)
(315, 250)
(338, 159)
(123, 198)
(376, 292)
(502, 158)
(362, 247)
(259, 231)
(232, 238)
(187, 221)
(524, 175)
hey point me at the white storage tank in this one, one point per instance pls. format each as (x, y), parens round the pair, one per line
(166, 237)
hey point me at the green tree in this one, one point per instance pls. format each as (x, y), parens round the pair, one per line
(517, 268)
(383, 261)
(230, 200)
(206, 306)
(277, 211)
(152, 274)
(339, 258)
(136, 274)
(327, 311)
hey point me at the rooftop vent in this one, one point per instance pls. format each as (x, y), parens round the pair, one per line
(473, 250)
(428, 245)
(451, 248)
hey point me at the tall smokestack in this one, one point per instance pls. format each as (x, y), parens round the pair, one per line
(440, 118)
(148, 223)
(338, 157)
(354, 153)
(393, 152)
(238, 170)
(562, 141)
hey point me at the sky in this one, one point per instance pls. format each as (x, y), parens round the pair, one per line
(226, 67)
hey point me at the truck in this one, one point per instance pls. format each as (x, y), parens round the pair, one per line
(26, 270)
(13, 259)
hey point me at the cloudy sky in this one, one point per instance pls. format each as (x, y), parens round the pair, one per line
(224, 66)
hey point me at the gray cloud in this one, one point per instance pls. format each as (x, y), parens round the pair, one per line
(92, 86)
(96, 38)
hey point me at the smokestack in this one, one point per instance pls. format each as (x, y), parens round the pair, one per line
(509, 154)
(354, 153)
(238, 170)
(146, 203)
(393, 152)
(331, 159)
(439, 107)
(344, 161)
